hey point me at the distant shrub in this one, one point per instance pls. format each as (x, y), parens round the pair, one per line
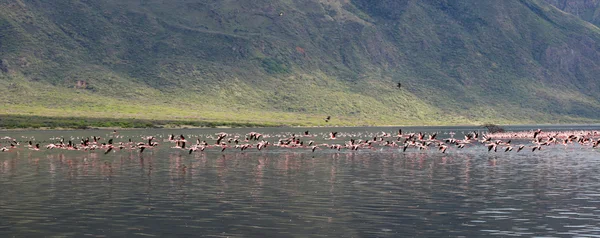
(274, 66)
(493, 128)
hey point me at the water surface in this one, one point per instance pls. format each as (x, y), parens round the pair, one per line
(277, 192)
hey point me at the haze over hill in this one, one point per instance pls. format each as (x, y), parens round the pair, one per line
(296, 62)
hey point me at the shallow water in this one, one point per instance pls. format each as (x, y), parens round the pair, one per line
(295, 193)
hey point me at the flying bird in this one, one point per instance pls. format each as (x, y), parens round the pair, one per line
(536, 133)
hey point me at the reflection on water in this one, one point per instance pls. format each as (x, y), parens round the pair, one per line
(287, 193)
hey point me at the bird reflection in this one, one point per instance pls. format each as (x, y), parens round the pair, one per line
(259, 173)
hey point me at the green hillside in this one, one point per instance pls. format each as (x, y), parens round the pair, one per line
(296, 62)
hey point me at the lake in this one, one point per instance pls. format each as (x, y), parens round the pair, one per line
(283, 192)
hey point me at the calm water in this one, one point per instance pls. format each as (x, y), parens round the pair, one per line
(295, 193)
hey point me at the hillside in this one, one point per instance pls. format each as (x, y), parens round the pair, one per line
(296, 62)
(587, 10)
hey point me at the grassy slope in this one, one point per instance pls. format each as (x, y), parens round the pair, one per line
(460, 63)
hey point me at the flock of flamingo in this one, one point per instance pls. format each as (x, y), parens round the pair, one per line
(493, 142)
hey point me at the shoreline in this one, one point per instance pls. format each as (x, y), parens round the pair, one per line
(24, 122)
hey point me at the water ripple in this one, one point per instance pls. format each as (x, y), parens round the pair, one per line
(279, 193)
